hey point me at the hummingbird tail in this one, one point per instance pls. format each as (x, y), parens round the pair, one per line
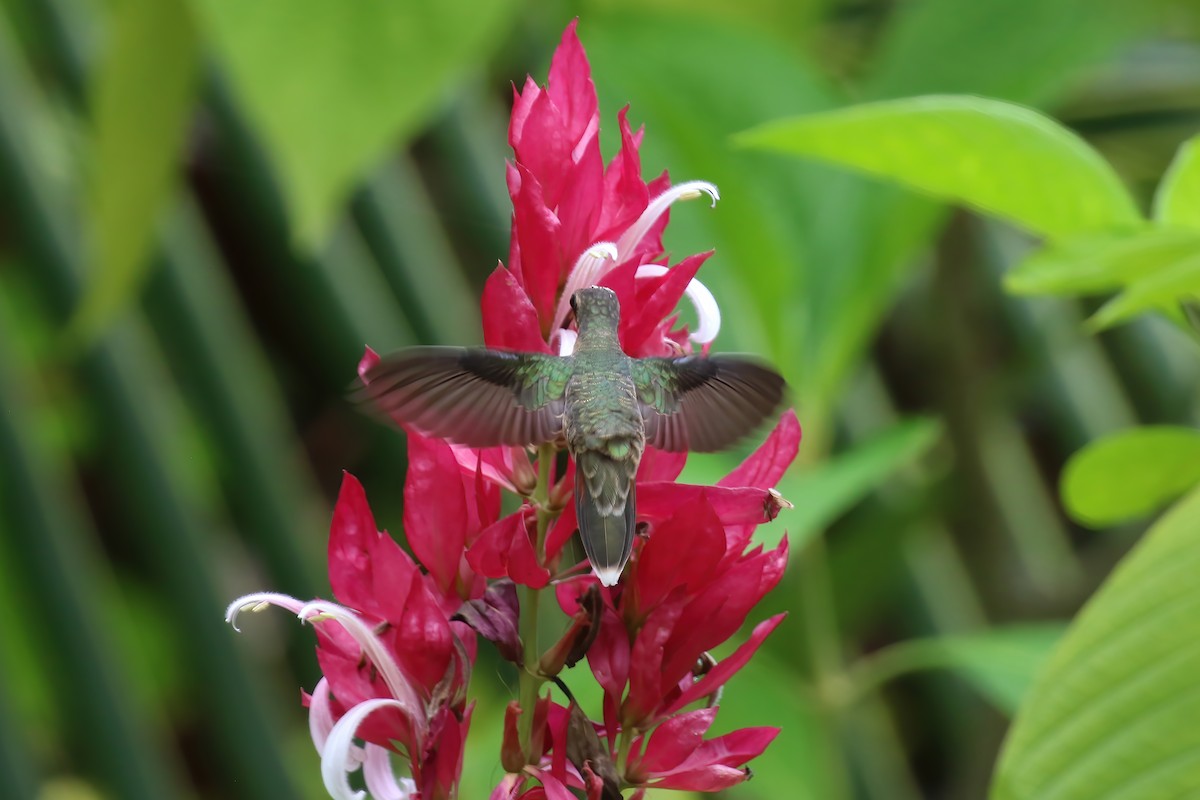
(606, 528)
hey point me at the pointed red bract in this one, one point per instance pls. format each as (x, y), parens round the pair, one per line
(693, 578)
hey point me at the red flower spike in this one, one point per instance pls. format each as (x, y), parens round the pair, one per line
(437, 513)
(505, 549)
(726, 668)
(512, 758)
(678, 757)
(764, 467)
(643, 329)
(682, 552)
(660, 465)
(672, 743)
(510, 322)
(740, 505)
(397, 656)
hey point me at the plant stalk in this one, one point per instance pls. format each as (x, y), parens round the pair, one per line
(530, 681)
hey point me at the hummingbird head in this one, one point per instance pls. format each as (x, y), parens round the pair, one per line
(596, 309)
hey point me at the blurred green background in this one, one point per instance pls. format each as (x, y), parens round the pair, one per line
(208, 207)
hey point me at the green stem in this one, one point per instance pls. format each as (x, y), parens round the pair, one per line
(530, 680)
(623, 746)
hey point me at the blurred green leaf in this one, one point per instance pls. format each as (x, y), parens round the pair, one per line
(1100, 262)
(1131, 474)
(949, 46)
(994, 156)
(331, 85)
(1162, 289)
(1177, 201)
(1113, 713)
(802, 761)
(825, 493)
(141, 99)
(999, 663)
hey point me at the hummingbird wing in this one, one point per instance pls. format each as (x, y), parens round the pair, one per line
(704, 404)
(472, 396)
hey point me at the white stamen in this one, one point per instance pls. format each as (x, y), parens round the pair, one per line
(657, 207)
(257, 602)
(375, 652)
(381, 779)
(587, 270)
(566, 341)
(707, 311)
(337, 748)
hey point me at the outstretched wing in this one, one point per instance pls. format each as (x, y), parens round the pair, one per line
(704, 404)
(471, 396)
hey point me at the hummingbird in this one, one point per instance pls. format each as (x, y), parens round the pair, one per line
(605, 405)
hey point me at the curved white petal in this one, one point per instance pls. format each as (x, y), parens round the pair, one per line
(708, 312)
(256, 602)
(585, 272)
(336, 754)
(320, 723)
(657, 207)
(381, 779)
(373, 649)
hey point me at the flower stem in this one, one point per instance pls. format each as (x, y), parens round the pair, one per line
(530, 681)
(623, 745)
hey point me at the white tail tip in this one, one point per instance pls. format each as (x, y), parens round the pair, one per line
(609, 576)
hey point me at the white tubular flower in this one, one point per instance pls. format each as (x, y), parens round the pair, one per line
(381, 779)
(707, 311)
(320, 723)
(588, 269)
(404, 695)
(337, 752)
(257, 602)
(657, 207)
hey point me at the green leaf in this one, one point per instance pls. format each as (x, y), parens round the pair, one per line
(331, 85)
(999, 663)
(1177, 201)
(949, 46)
(994, 156)
(1096, 263)
(141, 99)
(1131, 474)
(827, 492)
(1162, 289)
(803, 761)
(1113, 713)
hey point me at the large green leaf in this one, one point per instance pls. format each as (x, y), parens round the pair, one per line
(1000, 663)
(1113, 713)
(1131, 473)
(330, 85)
(1100, 262)
(1177, 201)
(994, 156)
(141, 98)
